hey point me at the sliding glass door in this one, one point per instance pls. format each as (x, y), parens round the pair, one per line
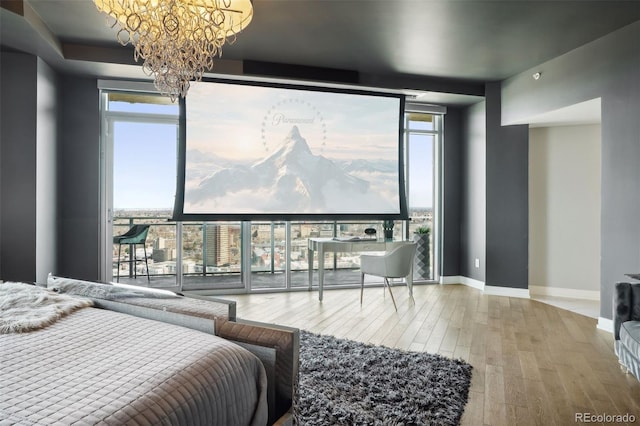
(140, 140)
(140, 144)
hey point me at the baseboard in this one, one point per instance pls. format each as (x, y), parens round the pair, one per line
(473, 283)
(452, 279)
(564, 292)
(487, 289)
(459, 279)
(493, 290)
(605, 324)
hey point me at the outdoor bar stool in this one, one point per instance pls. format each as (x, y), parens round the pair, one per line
(136, 235)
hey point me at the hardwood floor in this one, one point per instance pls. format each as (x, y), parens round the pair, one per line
(533, 363)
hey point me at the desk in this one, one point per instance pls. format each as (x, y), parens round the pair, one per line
(322, 245)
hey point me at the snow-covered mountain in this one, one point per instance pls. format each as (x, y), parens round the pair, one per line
(203, 164)
(370, 166)
(290, 180)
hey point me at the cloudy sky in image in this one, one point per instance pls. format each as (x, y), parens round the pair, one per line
(241, 122)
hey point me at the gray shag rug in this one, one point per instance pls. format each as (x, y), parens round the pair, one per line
(343, 382)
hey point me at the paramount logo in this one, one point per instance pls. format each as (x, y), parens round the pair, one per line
(280, 118)
(289, 112)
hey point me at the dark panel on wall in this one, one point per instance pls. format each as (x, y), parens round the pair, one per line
(426, 83)
(473, 193)
(18, 115)
(608, 68)
(79, 177)
(271, 69)
(451, 174)
(507, 202)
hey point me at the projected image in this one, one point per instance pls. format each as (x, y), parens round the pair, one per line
(254, 150)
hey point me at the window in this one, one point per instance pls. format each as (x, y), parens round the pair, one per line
(422, 136)
(141, 133)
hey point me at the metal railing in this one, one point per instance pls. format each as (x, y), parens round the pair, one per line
(215, 248)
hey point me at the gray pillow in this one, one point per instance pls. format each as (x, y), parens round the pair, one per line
(99, 290)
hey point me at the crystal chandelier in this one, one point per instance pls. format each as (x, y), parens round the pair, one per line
(176, 39)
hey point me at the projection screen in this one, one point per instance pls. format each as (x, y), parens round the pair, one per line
(250, 152)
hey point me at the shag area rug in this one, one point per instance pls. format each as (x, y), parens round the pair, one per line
(343, 382)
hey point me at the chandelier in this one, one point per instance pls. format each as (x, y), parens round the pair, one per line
(176, 39)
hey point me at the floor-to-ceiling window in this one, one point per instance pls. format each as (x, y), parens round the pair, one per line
(422, 138)
(141, 136)
(140, 141)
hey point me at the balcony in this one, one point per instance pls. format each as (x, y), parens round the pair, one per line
(212, 254)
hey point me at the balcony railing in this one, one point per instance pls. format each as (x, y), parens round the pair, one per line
(212, 251)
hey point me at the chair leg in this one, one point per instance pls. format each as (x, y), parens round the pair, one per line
(409, 280)
(386, 281)
(361, 286)
(118, 263)
(146, 262)
(133, 263)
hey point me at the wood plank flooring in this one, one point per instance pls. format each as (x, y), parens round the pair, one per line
(534, 364)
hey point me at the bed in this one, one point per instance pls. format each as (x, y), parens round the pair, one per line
(98, 366)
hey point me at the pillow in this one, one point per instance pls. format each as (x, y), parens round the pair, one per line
(101, 290)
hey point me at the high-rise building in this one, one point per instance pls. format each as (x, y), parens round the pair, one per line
(217, 245)
(164, 243)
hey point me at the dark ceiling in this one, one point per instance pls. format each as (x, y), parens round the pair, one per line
(404, 41)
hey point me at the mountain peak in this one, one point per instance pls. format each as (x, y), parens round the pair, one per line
(294, 133)
(294, 142)
(293, 146)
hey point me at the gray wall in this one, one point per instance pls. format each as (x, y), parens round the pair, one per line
(46, 174)
(451, 196)
(79, 177)
(18, 168)
(507, 202)
(473, 193)
(28, 212)
(494, 196)
(49, 172)
(608, 68)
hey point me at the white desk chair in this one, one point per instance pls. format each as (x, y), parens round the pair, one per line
(395, 263)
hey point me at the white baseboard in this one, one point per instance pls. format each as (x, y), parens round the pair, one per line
(605, 324)
(493, 290)
(459, 279)
(452, 279)
(473, 283)
(487, 289)
(564, 292)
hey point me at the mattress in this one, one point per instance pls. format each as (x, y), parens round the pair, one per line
(98, 367)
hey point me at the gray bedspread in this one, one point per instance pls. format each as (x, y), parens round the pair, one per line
(101, 367)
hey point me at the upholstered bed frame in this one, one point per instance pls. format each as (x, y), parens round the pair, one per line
(276, 346)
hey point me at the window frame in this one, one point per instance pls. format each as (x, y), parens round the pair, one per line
(245, 276)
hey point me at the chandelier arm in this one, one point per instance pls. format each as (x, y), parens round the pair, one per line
(177, 41)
